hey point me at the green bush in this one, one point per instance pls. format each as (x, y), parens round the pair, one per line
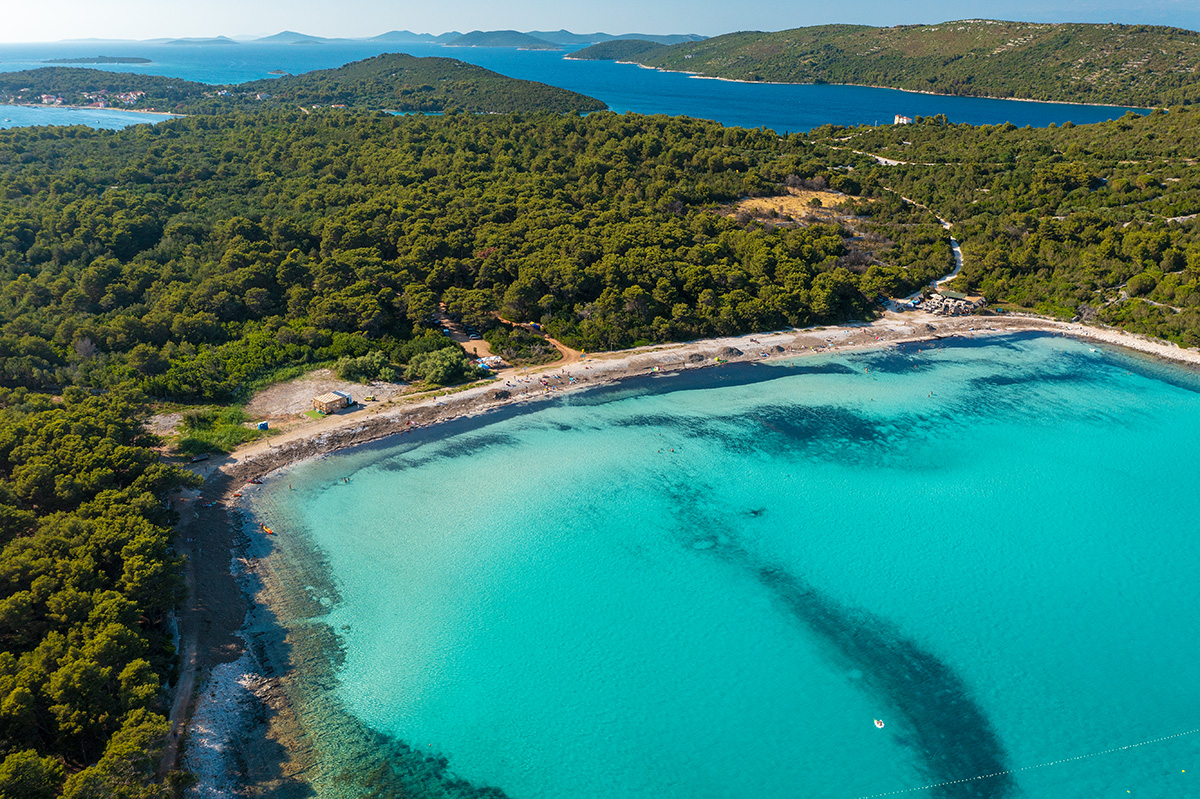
(25, 775)
(215, 430)
(443, 367)
(518, 346)
(363, 369)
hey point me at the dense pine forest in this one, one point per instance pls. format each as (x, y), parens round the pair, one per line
(86, 582)
(195, 256)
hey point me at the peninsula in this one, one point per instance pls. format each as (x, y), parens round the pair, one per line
(1133, 65)
(393, 81)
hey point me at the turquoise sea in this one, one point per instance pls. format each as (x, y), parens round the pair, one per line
(711, 584)
(20, 116)
(624, 87)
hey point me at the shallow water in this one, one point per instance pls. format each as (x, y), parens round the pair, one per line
(709, 585)
(20, 116)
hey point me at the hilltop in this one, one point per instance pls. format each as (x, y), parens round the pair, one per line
(290, 37)
(566, 37)
(1138, 65)
(393, 81)
(501, 39)
(407, 36)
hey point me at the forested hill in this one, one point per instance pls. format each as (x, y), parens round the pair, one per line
(1136, 65)
(78, 85)
(393, 81)
(1091, 221)
(406, 83)
(619, 50)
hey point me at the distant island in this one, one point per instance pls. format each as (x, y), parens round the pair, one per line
(210, 40)
(100, 59)
(505, 38)
(289, 37)
(566, 37)
(1135, 65)
(502, 39)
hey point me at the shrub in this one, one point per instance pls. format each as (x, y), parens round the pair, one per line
(363, 369)
(442, 367)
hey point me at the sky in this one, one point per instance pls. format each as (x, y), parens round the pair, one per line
(53, 20)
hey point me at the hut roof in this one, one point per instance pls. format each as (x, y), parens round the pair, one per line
(333, 396)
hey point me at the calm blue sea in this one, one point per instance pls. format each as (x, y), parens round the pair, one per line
(624, 87)
(19, 116)
(712, 584)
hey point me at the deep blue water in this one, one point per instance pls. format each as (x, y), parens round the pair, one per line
(624, 87)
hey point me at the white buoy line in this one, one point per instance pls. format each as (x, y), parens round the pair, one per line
(1030, 768)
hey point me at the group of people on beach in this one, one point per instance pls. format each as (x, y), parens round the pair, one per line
(560, 380)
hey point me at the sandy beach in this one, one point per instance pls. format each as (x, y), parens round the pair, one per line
(524, 385)
(95, 108)
(211, 625)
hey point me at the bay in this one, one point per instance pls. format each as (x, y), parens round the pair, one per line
(712, 584)
(20, 116)
(624, 87)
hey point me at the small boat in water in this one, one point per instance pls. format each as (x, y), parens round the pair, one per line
(879, 723)
(266, 529)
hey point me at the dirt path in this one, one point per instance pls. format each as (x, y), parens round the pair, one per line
(569, 355)
(185, 686)
(215, 607)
